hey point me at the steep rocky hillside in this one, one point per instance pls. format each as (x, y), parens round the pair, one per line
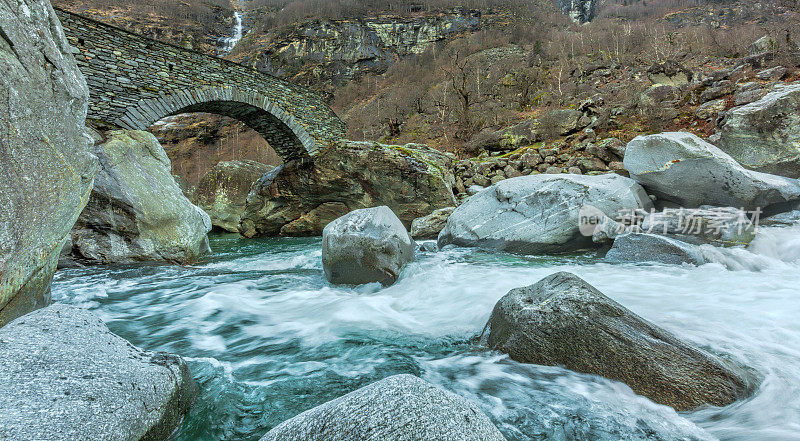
(195, 24)
(484, 78)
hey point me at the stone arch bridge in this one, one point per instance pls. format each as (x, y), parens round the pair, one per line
(135, 81)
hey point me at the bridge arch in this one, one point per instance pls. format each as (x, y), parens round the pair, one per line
(135, 81)
(282, 131)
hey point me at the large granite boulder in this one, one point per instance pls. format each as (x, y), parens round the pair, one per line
(645, 247)
(46, 167)
(301, 197)
(564, 321)
(365, 246)
(67, 377)
(136, 211)
(402, 407)
(540, 213)
(765, 135)
(429, 227)
(222, 192)
(683, 169)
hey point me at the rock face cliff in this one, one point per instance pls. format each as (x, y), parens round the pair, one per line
(580, 11)
(340, 50)
(46, 169)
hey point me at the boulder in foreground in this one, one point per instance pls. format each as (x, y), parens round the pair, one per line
(681, 168)
(222, 192)
(365, 246)
(136, 211)
(765, 135)
(540, 213)
(301, 197)
(46, 167)
(67, 377)
(398, 408)
(564, 321)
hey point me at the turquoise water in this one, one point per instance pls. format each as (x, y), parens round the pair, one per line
(267, 337)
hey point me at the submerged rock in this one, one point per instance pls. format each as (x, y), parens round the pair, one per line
(643, 247)
(300, 198)
(683, 169)
(402, 407)
(46, 167)
(539, 213)
(222, 192)
(67, 377)
(765, 135)
(136, 211)
(564, 321)
(430, 226)
(365, 246)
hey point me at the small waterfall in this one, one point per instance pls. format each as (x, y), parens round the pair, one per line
(227, 44)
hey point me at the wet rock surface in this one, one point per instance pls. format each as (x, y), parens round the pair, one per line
(67, 377)
(402, 407)
(564, 321)
(364, 246)
(643, 247)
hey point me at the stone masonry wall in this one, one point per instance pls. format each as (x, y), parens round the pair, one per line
(135, 81)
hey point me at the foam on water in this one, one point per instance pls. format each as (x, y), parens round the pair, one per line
(267, 337)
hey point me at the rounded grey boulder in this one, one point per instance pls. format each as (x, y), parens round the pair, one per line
(136, 211)
(65, 376)
(682, 168)
(402, 407)
(365, 246)
(540, 213)
(564, 321)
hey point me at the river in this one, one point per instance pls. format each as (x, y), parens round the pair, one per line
(267, 337)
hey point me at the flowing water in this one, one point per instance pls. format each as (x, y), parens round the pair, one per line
(227, 44)
(267, 337)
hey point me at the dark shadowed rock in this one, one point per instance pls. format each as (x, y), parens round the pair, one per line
(65, 376)
(765, 135)
(643, 247)
(680, 167)
(539, 213)
(300, 198)
(136, 211)
(222, 192)
(402, 407)
(562, 320)
(430, 226)
(365, 246)
(46, 168)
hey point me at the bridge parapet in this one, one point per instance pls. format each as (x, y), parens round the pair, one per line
(134, 81)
